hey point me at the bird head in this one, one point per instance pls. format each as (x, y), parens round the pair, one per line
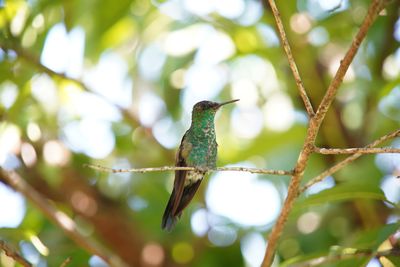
(202, 106)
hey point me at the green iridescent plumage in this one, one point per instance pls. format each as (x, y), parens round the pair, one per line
(198, 149)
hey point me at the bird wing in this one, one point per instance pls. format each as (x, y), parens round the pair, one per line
(187, 195)
(173, 210)
(179, 183)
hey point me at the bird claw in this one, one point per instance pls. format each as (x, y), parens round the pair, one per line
(202, 169)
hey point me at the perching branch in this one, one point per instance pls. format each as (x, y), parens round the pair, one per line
(10, 252)
(292, 63)
(348, 160)
(364, 150)
(174, 168)
(314, 125)
(59, 218)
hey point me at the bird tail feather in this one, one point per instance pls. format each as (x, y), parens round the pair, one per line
(169, 219)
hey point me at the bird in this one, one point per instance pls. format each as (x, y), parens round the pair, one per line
(198, 149)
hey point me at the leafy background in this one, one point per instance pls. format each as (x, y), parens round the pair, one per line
(113, 83)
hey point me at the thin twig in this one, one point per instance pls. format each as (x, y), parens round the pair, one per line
(364, 150)
(174, 168)
(59, 218)
(65, 262)
(10, 252)
(292, 63)
(312, 131)
(322, 261)
(346, 161)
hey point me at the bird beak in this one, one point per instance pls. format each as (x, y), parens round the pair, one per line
(227, 102)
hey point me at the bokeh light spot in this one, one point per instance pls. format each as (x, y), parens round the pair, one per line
(84, 203)
(251, 14)
(243, 202)
(45, 91)
(247, 122)
(96, 261)
(289, 248)
(19, 20)
(152, 254)
(268, 35)
(199, 222)
(216, 47)
(151, 61)
(137, 203)
(327, 183)
(177, 78)
(391, 67)
(246, 41)
(182, 252)
(391, 187)
(318, 36)
(308, 222)
(55, 153)
(8, 94)
(184, 41)
(222, 236)
(66, 221)
(200, 8)
(10, 140)
(29, 252)
(92, 137)
(279, 112)
(28, 154)
(230, 9)
(390, 104)
(300, 23)
(38, 21)
(151, 107)
(253, 247)
(245, 90)
(33, 131)
(110, 79)
(38, 244)
(352, 115)
(11, 203)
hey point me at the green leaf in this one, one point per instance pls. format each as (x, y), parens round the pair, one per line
(369, 241)
(372, 239)
(343, 192)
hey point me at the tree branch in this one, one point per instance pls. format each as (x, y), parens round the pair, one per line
(348, 160)
(312, 131)
(59, 218)
(364, 150)
(292, 63)
(10, 252)
(174, 168)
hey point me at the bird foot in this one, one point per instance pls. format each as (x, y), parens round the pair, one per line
(202, 169)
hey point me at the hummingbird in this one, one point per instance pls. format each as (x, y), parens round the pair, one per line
(198, 149)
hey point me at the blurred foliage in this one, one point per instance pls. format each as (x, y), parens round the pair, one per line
(125, 102)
